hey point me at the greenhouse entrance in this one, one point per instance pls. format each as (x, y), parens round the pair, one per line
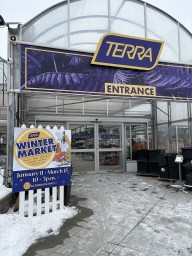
(105, 146)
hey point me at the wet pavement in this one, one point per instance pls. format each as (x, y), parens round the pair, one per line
(123, 214)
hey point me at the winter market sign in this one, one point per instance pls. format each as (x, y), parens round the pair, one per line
(42, 158)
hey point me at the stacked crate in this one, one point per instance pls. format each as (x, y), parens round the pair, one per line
(187, 157)
(147, 161)
(142, 161)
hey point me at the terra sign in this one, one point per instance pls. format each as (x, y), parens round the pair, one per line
(127, 52)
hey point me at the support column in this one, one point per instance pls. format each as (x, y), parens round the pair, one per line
(12, 75)
(11, 123)
(154, 124)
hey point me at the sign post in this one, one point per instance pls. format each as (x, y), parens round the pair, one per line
(179, 161)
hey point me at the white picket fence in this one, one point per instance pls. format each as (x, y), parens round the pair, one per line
(31, 203)
(41, 201)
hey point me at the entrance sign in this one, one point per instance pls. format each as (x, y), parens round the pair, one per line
(127, 52)
(42, 158)
(54, 70)
(133, 90)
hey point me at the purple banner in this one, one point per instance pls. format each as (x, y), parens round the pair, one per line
(44, 69)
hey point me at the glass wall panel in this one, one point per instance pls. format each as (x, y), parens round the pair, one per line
(89, 20)
(3, 102)
(139, 139)
(163, 137)
(127, 108)
(84, 40)
(110, 161)
(136, 138)
(115, 108)
(162, 27)
(87, 23)
(3, 149)
(178, 111)
(109, 136)
(50, 28)
(81, 8)
(139, 108)
(95, 107)
(127, 17)
(186, 46)
(50, 105)
(150, 136)
(71, 107)
(3, 72)
(162, 111)
(83, 162)
(179, 136)
(85, 18)
(82, 136)
(80, 46)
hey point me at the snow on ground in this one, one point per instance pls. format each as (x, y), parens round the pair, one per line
(18, 233)
(4, 191)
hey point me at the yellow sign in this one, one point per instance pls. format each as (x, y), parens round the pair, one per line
(35, 148)
(132, 90)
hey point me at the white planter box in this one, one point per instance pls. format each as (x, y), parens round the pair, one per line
(131, 166)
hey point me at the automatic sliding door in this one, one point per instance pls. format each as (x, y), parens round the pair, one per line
(83, 147)
(96, 147)
(110, 147)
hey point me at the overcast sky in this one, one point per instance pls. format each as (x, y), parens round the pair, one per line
(23, 10)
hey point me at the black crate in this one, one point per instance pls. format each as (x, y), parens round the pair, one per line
(171, 160)
(142, 166)
(153, 167)
(188, 179)
(187, 153)
(184, 172)
(164, 172)
(161, 160)
(143, 154)
(174, 173)
(154, 152)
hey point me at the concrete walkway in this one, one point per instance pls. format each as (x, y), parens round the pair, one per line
(123, 214)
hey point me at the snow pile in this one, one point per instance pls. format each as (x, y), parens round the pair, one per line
(18, 233)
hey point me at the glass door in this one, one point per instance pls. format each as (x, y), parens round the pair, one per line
(135, 139)
(99, 147)
(83, 147)
(109, 147)
(96, 147)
